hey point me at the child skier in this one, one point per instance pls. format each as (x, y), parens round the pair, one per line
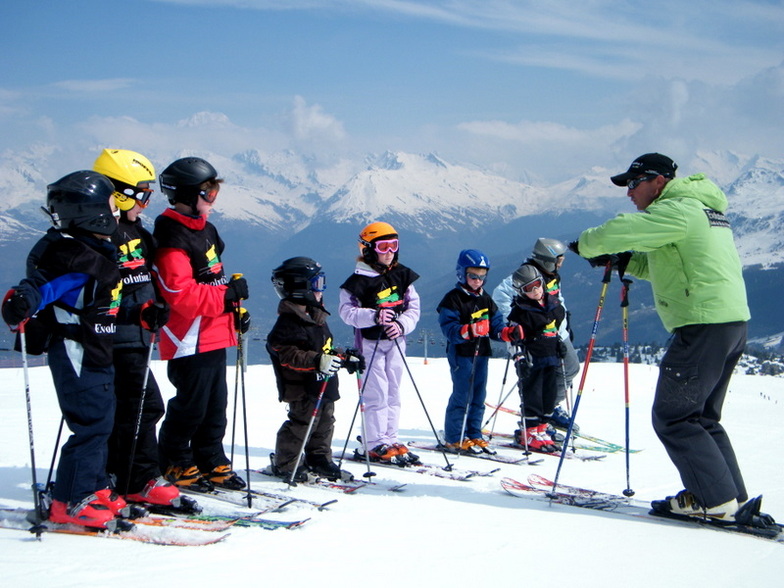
(547, 256)
(305, 365)
(204, 314)
(133, 454)
(469, 318)
(73, 288)
(539, 314)
(379, 300)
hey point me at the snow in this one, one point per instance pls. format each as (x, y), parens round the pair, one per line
(435, 532)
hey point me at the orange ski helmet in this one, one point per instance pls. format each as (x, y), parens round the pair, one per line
(372, 233)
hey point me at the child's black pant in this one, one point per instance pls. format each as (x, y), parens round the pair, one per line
(195, 424)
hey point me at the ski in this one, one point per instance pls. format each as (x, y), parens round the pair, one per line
(267, 524)
(18, 520)
(345, 486)
(609, 445)
(542, 482)
(266, 501)
(620, 505)
(569, 453)
(486, 456)
(197, 523)
(426, 469)
(588, 447)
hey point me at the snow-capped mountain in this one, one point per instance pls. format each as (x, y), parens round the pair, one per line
(427, 194)
(280, 204)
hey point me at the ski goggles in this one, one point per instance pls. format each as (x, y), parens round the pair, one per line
(125, 193)
(386, 246)
(318, 283)
(473, 276)
(533, 285)
(209, 195)
(634, 182)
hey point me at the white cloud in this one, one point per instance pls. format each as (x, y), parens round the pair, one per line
(90, 86)
(708, 40)
(311, 123)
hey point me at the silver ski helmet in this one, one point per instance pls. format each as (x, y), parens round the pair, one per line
(79, 201)
(546, 253)
(526, 275)
(470, 258)
(297, 278)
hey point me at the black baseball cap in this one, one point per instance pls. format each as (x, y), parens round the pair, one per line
(654, 164)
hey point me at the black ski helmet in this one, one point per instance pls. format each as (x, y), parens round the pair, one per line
(79, 201)
(546, 253)
(525, 275)
(297, 278)
(182, 179)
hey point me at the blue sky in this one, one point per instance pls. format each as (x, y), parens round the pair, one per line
(526, 88)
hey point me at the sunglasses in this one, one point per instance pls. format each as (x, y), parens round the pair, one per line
(209, 195)
(386, 246)
(634, 182)
(531, 286)
(473, 276)
(318, 283)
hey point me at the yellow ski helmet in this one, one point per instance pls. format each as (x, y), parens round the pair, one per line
(130, 172)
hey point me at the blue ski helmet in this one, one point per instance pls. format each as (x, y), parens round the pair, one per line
(470, 258)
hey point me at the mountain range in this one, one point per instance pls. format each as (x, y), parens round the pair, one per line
(279, 205)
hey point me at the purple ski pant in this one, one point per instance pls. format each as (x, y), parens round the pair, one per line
(382, 388)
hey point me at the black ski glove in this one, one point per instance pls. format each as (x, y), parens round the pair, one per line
(242, 320)
(236, 290)
(16, 307)
(353, 361)
(619, 261)
(153, 315)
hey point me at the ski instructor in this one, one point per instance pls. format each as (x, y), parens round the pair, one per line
(682, 243)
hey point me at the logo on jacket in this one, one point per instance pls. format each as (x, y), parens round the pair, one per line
(214, 264)
(551, 330)
(114, 305)
(388, 298)
(131, 255)
(482, 314)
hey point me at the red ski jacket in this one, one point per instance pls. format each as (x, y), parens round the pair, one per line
(192, 281)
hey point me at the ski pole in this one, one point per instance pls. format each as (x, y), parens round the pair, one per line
(50, 475)
(138, 426)
(625, 285)
(605, 283)
(470, 396)
(361, 407)
(520, 388)
(236, 372)
(240, 351)
(37, 527)
(497, 409)
(494, 415)
(566, 394)
(306, 438)
(241, 369)
(448, 466)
